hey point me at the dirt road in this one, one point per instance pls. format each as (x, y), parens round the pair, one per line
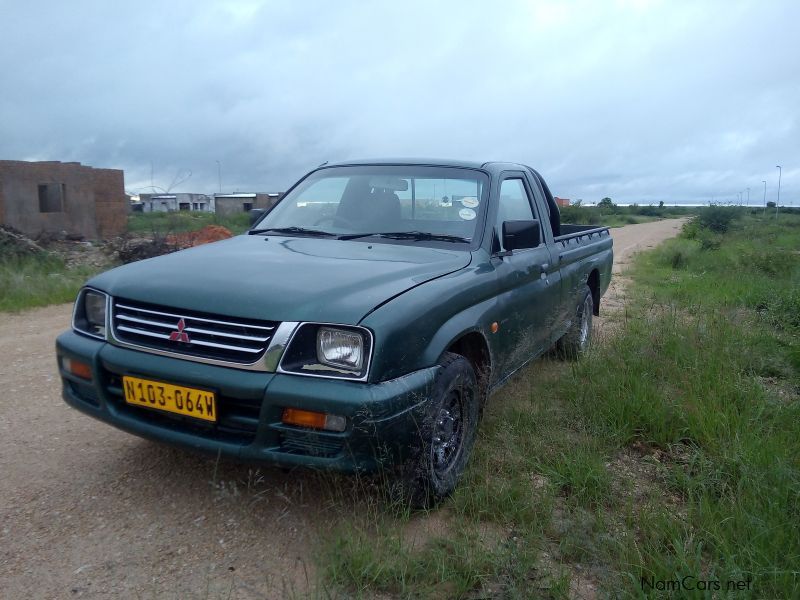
(87, 511)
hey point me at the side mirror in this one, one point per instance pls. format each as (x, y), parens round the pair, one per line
(518, 235)
(255, 215)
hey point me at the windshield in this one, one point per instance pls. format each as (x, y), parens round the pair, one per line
(424, 203)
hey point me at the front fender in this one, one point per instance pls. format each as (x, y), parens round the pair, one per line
(414, 329)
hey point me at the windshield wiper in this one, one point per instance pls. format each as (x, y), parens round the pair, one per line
(292, 230)
(408, 235)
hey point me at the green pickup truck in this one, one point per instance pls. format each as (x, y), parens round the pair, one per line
(360, 324)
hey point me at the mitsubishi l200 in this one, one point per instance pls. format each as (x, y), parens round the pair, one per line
(361, 323)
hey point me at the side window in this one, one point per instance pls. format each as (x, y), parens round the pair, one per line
(513, 205)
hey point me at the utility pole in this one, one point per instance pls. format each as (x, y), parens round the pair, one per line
(778, 203)
(765, 196)
(219, 176)
(748, 196)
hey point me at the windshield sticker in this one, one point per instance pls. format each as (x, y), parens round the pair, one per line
(467, 214)
(470, 202)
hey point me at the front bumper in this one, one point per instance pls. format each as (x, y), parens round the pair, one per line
(381, 417)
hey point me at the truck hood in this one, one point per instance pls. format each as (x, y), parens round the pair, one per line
(282, 278)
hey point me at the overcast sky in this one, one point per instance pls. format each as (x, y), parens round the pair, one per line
(640, 101)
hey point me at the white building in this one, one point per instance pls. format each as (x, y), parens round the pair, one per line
(176, 202)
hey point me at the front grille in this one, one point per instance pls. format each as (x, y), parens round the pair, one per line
(190, 333)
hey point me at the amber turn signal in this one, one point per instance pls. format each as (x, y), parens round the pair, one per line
(314, 420)
(77, 368)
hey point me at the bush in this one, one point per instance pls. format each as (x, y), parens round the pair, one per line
(679, 254)
(649, 211)
(709, 241)
(717, 218)
(691, 229)
(575, 214)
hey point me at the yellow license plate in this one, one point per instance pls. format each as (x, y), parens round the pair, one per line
(200, 404)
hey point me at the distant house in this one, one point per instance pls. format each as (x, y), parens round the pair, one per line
(561, 201)
(176, 201)
(55, 197)
(227, 204)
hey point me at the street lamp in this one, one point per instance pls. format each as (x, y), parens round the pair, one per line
(765, 196)
(778, 203)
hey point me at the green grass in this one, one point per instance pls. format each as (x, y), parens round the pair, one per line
(178, 222)
(670, 450)
(33, 281)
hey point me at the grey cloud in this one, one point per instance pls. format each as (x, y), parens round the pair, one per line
(640, 101)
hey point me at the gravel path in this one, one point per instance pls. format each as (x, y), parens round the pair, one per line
(87, 511)
(628, 241)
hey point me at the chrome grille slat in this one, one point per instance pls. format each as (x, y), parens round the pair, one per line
(146, 321)
(149, 326)
(248, 338)
(160, 336)
(206, 320)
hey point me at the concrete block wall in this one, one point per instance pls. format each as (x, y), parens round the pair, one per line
(93, 203)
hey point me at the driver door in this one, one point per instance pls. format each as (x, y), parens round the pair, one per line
(528, 286)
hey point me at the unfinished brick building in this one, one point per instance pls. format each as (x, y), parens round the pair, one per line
(55, 197)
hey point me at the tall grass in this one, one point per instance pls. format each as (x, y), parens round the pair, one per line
(38, 280)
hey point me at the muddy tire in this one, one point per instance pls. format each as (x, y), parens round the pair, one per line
(444, 439)
(576, 341)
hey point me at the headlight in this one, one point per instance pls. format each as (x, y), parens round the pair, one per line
(340, 348)
(326, 350)
(89, 316)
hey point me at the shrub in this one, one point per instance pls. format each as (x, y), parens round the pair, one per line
(716, 218)
(679, 254)
(576, 214)
(709, 241)
(649, 211)
(690, 229)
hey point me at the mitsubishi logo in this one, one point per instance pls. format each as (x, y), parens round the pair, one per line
(180, 335)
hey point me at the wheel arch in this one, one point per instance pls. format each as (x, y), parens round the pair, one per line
(473, 346)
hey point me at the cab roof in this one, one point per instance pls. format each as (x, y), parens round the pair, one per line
(492, 166)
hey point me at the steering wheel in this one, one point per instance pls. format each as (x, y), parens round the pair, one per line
(335, 219)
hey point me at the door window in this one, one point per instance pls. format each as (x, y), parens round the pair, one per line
(513, 205)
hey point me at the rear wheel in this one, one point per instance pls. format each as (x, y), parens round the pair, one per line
(444, 440)
(579, 335)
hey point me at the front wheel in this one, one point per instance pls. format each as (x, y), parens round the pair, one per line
(579, 335)
(444, 439)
